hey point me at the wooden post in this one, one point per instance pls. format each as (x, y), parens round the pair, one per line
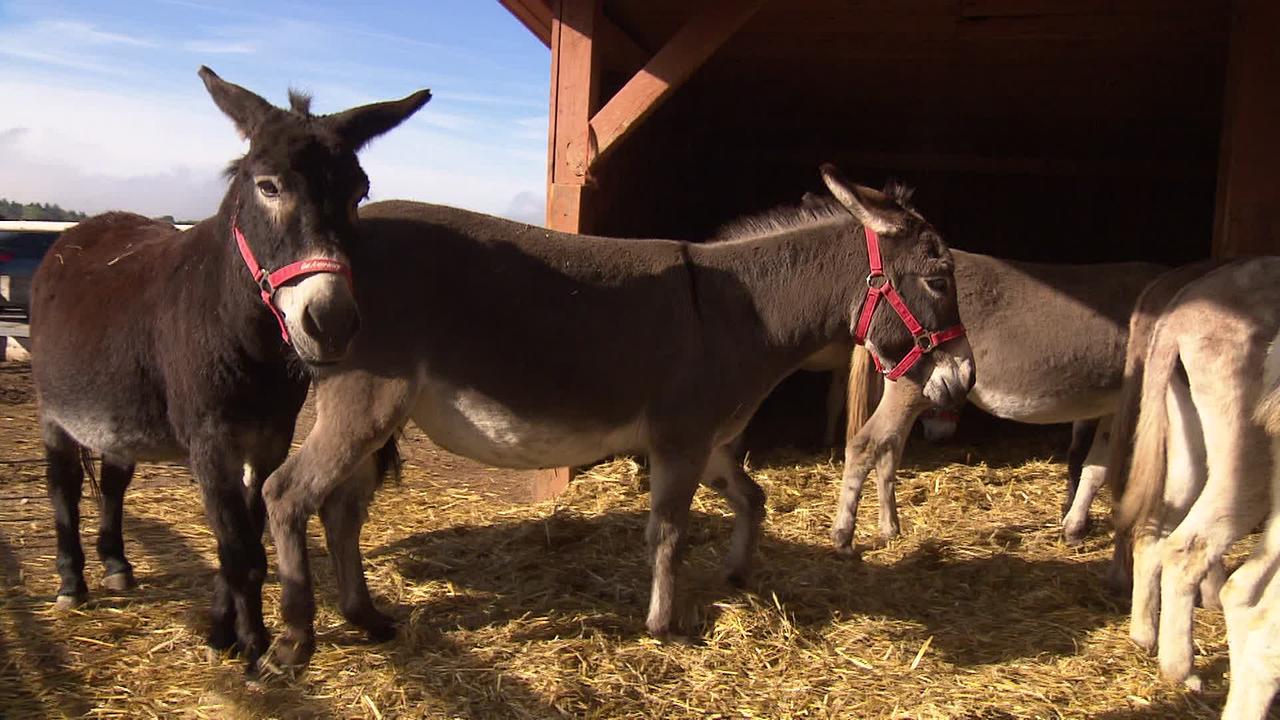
(574, 81)
(1247, 217)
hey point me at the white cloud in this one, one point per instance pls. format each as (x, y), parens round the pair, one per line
(157, 154)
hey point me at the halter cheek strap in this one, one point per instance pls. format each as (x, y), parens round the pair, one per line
(880, 286)
(270, 280)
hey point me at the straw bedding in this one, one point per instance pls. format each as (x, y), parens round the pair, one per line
(537, 610)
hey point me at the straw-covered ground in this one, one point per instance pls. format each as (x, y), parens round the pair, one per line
(536, 610)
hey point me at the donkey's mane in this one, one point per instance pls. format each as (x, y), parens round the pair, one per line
(813, 209)
(300, 103)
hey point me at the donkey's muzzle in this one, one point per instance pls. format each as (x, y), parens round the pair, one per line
(331, 324)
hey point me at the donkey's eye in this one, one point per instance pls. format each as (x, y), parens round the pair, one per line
(268, 188)
(937, 284)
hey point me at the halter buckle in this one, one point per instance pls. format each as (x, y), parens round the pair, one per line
(925, 342)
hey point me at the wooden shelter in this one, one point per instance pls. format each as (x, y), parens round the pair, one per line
(1066, 130)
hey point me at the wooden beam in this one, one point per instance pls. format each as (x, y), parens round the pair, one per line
(533, 14)
(684, 53)
(1247, 217)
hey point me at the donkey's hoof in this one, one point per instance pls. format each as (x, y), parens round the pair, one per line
(222, 636)
(293, 652)
(68, 602)
(1194, 683)
(379, 627)
(842, 540)
(119, 582)
(1144, 639)
(1073, 538)
(738, 579)
(889, 534)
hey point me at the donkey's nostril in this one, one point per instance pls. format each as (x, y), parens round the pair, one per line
(310, 324)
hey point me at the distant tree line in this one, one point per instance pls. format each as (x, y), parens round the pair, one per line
(11, 210)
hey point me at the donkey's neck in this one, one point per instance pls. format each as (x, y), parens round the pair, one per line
(238, 303)
(800, 284)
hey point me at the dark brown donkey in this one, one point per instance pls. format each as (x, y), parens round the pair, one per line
(523, 347)
(151, 344)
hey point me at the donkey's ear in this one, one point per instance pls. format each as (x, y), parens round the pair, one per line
(872, 208)
(246, 110)
(358, 126)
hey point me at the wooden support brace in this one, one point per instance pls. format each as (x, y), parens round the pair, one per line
(683, 54)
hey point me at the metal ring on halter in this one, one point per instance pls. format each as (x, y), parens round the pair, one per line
(873, 275)
(264, 284)
(925, 342)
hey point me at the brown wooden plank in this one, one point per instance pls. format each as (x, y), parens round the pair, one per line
(1247, 220)
(533, 14)
(684, 53)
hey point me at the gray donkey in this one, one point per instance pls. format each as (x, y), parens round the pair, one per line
(523, 347)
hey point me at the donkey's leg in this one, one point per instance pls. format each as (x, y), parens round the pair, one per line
(1210, 590)
(673, 479)
(242, 561)
(1144, 613)
(725, 474)
(1233, 500)
(858, 461)
(344, 513)
(267, 450)
(64, 478)
(1251, 602)
(886, 487)
(115, 479)
(355, 415)
(1082, 434)
(1092, 472)
(880, 442)
(1184, 481)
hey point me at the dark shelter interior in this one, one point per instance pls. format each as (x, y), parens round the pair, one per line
(1048, 130)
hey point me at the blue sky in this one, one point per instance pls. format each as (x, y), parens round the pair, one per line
(100, 106)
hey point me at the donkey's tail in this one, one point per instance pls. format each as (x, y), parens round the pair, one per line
(388, 461)
(1267, 413)
(1146, 312)
(1145, 490)
(862, 392)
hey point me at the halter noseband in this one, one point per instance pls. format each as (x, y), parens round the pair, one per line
(269, 281)
(879, 285)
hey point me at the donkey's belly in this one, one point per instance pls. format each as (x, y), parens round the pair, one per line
(104, 431)
(470, 424)
(1043, 409)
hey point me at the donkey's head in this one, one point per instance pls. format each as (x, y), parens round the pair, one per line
(916, 282)
(292, 206)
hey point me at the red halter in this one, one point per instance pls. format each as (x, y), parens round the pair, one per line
(270, 280)
(925, 342)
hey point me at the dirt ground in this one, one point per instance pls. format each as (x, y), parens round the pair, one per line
(511, 609)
